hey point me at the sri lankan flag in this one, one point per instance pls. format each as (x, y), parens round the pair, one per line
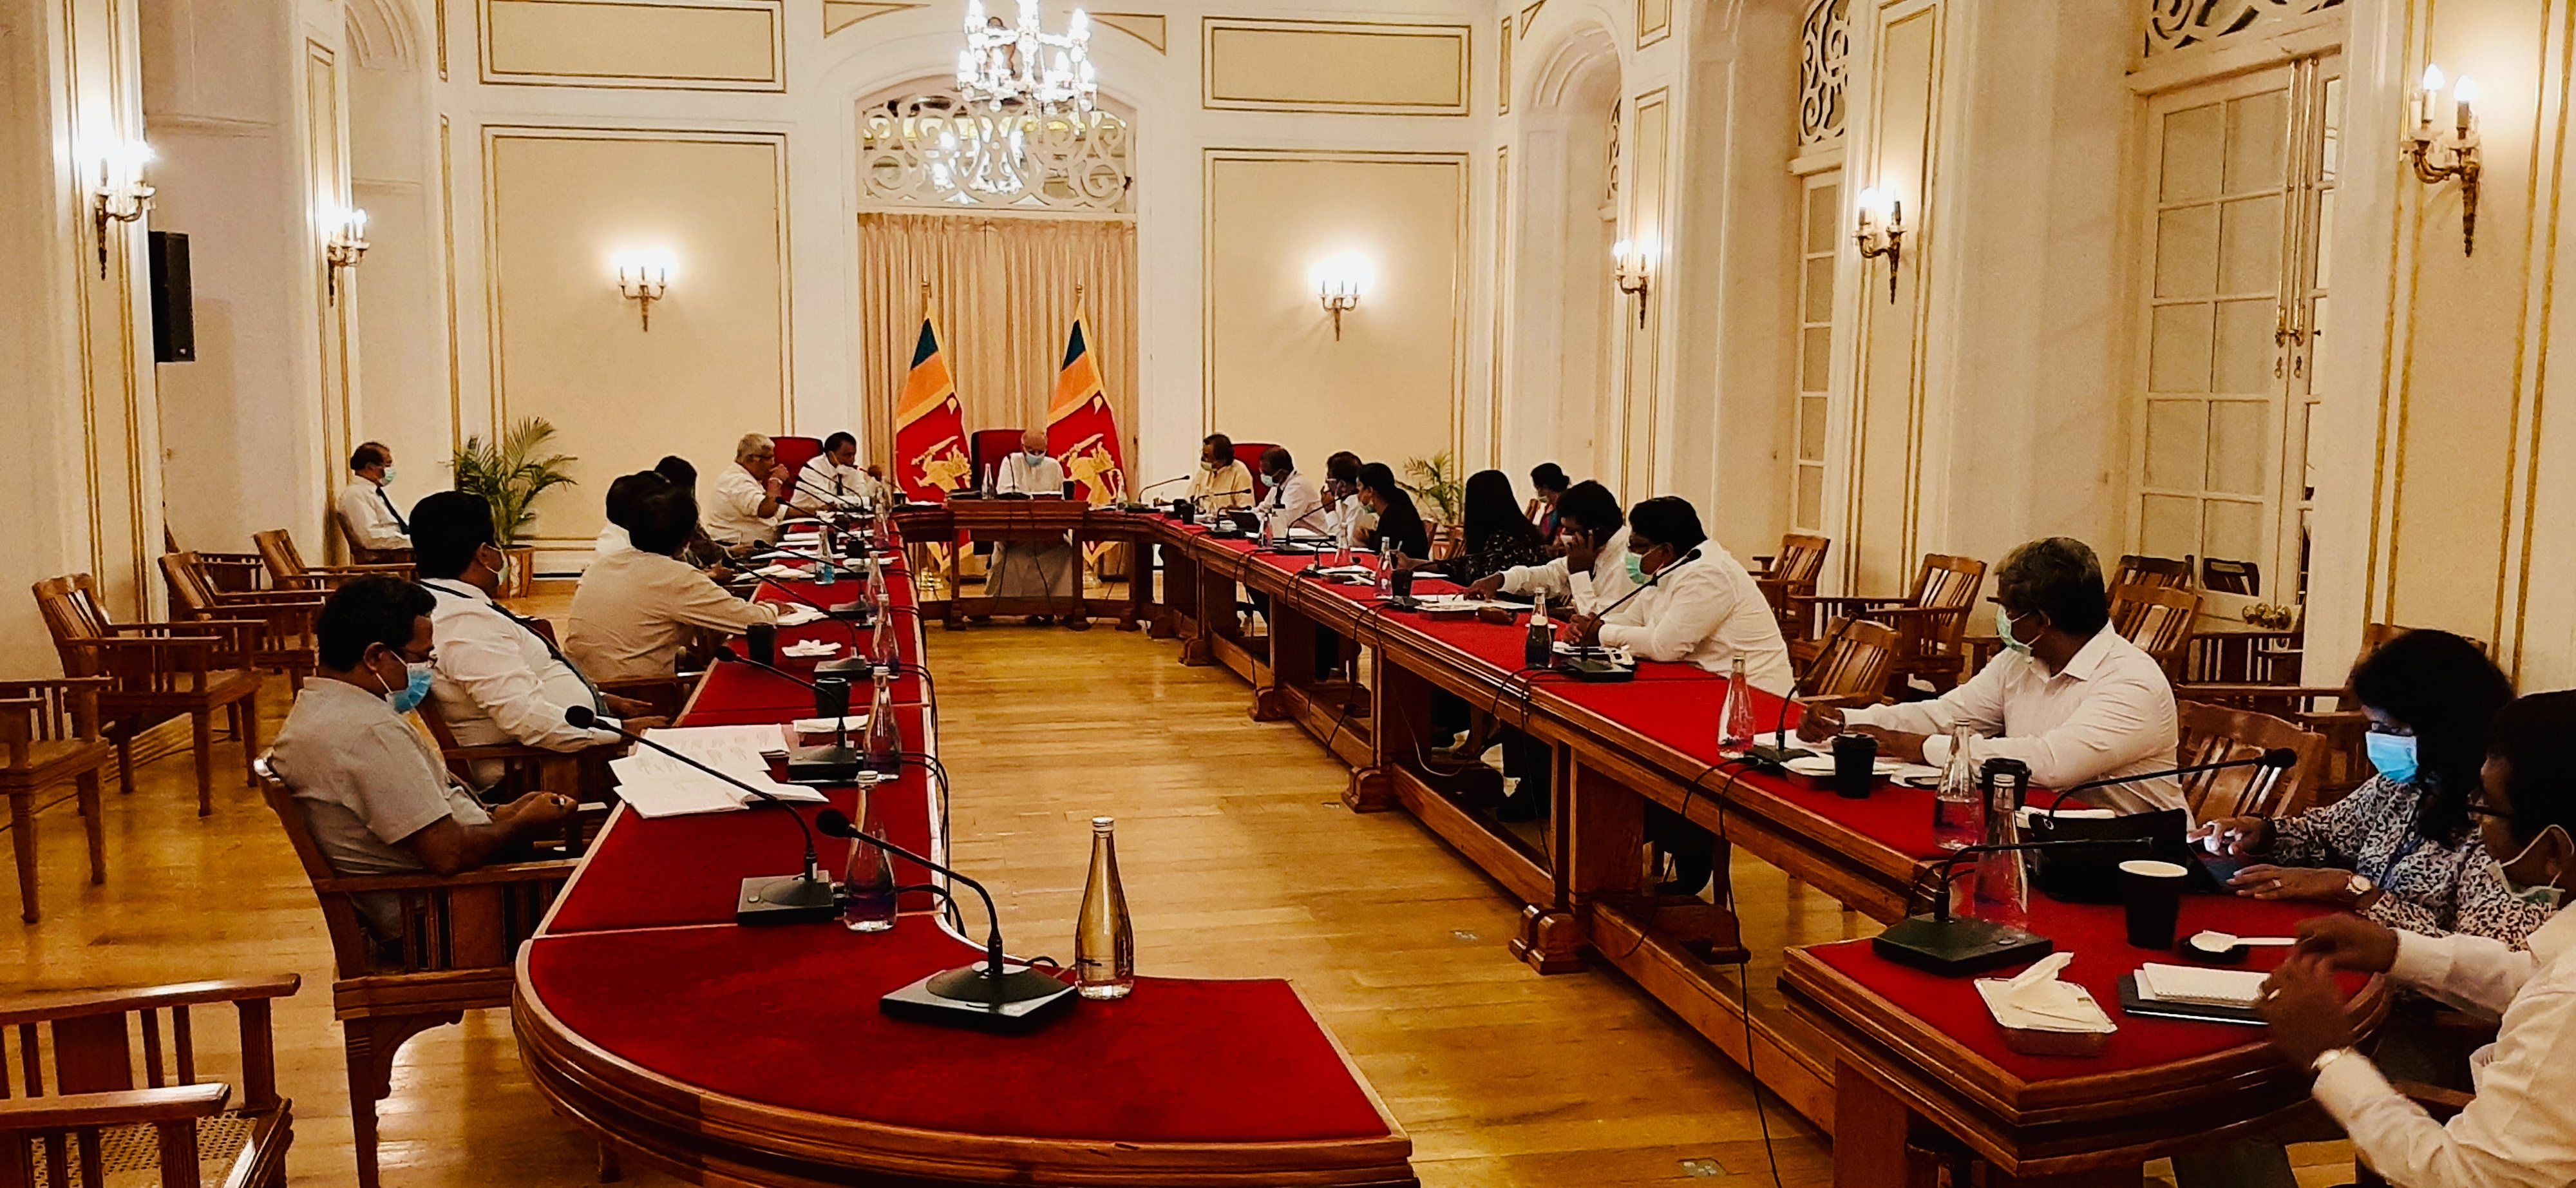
(929, 429)
(1081, 431)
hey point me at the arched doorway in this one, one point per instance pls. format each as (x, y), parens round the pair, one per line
(1560, 395)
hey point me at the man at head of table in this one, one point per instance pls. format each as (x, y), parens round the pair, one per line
(2068, 695)
(2519, 1131)
(1221, 483)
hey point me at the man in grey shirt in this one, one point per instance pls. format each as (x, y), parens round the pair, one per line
(375, 795)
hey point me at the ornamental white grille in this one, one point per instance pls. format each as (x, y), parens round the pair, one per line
(931, 152)
(1825, 44)
(2177, 24)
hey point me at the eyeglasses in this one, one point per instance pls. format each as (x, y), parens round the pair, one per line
(2478, 807)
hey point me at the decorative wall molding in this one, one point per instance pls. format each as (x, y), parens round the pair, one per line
(1148, 27)
(1503, 72)
(1335, 67)
(1529, 16)
(380, 35)
(1824, 49)
(2179, 24)
(841, 14)
(678, 45)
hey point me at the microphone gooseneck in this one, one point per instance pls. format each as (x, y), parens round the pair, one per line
(583, 717)
(1651, 579)
(2278, 758)
(835, 823)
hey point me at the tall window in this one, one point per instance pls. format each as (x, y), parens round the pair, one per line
(1818, 240)
(2243, 183)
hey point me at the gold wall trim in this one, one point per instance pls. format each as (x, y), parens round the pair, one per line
(1501, 290)
(1152, 28)
(328, 185)
(1503, 71)
(774, 80)
(1213, 97)
(1651, 210)
(1459, 281)
(438, 18)
(2540, 363)
(1654, 21)
(1918, 266)
(841, 14)
(494, 134)
(447, 245)
(1529, 16)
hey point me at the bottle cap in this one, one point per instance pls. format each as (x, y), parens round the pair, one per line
(1103, 822)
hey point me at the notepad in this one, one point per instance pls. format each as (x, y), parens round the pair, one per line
(674, 789)
(810, 649)
(2196, 986)
(855, 724)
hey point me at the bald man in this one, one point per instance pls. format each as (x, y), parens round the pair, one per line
(1031, 569)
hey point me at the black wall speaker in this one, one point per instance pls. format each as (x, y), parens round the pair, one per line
(174, 310)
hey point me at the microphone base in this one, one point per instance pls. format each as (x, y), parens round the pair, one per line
(1021, 1001)
(784, 899)
(847, 666)
(856, 613)
(1776, 757)
(1599, 672)
(823, 765)
(1960, 946)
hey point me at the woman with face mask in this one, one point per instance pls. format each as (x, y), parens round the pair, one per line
(2519, 1131)
(2400, 849)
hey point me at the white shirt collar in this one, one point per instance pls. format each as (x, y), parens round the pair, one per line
(2088, 660)
(464, 589)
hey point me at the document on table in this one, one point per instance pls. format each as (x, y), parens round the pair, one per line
(677, 790)
(2200, 987)
(724, 747)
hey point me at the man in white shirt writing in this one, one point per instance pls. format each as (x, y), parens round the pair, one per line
(367, 511)
(1025, 568)
(639, 611)
(2519, 1131)
(2068, 696)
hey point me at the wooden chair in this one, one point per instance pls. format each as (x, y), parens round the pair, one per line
(49, 736)
(1928, 621)
(2152, 572)
(2328, 710)
(1851, 671)
(285, 644)
(2231, 577)
(226, 572)
(2160, 620)
(1791, 575)
(361, 555)
(102, 1102)
(458, 936)
(2216, 734)
(287, 570)
(159, 671)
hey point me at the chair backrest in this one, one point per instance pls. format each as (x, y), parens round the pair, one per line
(2216, 734)
(988, 447)
(72, 613)
(2152, 571)
(2230, 577)
(1249, 453)
(90, 1035)
(285, 561)
(1801, 558)
(795, 453)
(349, 944)
(1852, 668)
(1948, 584)
(190, 592)
(2159, 619)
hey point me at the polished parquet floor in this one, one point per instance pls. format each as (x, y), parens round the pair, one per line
(1239, 860)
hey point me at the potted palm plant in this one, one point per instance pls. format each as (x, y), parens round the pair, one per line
(1435, 484)
(509, 472)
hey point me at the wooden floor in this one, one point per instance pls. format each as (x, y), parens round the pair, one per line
(1239, 860)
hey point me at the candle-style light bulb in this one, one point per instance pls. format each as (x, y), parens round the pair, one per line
(1080, 27)
(1619, 252)
(2425, 96)
(2464, 94)
(974, 16)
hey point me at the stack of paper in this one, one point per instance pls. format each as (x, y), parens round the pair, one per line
(668, 788)
(723, 747)
(779, 572)
(1361, 571)
(2035, 1000)
(2200, 987)
(855, 724)
(810, 649)
(797, 615)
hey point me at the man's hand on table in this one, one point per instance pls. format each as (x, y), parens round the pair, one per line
(2351, 942)
(1583, 631)
(1820, 722)
(642, 724)
(2305, 1008)
(1486, 586)
(624, 707)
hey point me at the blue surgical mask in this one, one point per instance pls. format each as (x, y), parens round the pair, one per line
(2392, 754)
(1636, 569)
(416, 677)
(2544, 896)
(2004, 630)
(1034, 455)
(388, 480)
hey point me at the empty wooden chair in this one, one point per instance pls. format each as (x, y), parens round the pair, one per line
(2160, 620)
(2231, 577)
(2152, 572)
(1928, 620)
(1791, 575)
(49, 737)
(458, 936)
(285, 644)
(87, 1092)
(226, 572)
(1851, 671)
(2216, 734)
(286, 567)
(159, 671)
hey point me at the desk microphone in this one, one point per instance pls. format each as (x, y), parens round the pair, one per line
(982, 995)
(1776, 756)
(853, 664)
(1937, 944)
(2278, 759)
(771, 899)
(1584, 668)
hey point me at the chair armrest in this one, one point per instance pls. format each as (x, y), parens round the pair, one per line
(266, 598)
(41, 1006)
(2204, 690)
(29, 689)
(1842, 600)
(173, 1103)
(552, 871)
(357, 570)
(193, 627)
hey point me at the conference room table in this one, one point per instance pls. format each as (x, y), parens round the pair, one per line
(738, 1055)
(1905, 1069)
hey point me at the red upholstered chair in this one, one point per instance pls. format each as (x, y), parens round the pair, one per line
(794, 452)
(1249, 453)
(988, 447)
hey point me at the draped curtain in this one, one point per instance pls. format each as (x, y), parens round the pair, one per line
(1004, 290)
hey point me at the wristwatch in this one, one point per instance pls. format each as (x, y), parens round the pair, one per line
(2327, 1057)
(2359, 886)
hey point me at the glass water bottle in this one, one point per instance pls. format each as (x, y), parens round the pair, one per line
(2002, 894)
(1540, 648)
(885, 744)
(823, 573)
(1104, 947)
(1958, 807)
(1385, 568)
(1735, 718)
(867, 892)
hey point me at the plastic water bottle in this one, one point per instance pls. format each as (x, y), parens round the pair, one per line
(1958, 808)
(867, 893)
(1104, 943)
(823, 574)
(2002, 894)
(1735, 718)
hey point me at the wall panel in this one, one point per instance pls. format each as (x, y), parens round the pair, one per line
(1335, 66)
(1887, 429)
(727, 45)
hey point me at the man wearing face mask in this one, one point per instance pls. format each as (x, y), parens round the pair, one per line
(367, 511)
(2068, 695)
(1706, 611)
(1033, 569)
(375, 796)
(1221, 484)
(1595, 535)
(2520, 1129)
(1293, 500)
(498, 679)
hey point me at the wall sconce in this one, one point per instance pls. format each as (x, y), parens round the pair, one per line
(2439, 158)
(347, 246)
(1882, 232)
(644, 277)
(1339, 282)
(120, 195)
(1633, 263)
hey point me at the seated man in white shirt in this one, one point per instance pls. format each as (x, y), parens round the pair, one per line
(2068, 696)
(1221, 484)
(1704, 610)
(1595, 535)
(838, 476)
(1033, 569)
(375, 795)
(1349, 517)
(1293, 501)
(637, 613)
(366, 510)
(623, 495)
(2519, 1131)
(498, 679)
(750, 498)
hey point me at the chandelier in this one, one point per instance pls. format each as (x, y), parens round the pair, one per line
(1023, 70)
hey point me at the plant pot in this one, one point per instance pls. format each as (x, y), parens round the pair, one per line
(523, 572)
